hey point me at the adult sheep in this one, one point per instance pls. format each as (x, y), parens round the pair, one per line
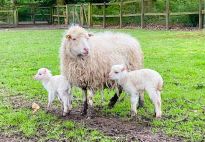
(86, 59)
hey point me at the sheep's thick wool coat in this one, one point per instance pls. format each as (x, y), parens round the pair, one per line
(106, 49)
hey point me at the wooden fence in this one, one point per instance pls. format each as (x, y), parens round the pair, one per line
(81, 16)
(83, 13)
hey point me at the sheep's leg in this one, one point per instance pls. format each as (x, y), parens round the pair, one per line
(90, 103)
(156, 100)
(51, 97)
(114, 99)
(141, 99)
(85, 102)
(134, 102)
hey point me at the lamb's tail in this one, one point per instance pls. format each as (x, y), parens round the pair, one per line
(160, 85)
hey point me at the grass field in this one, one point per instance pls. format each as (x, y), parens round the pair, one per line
(179, 56)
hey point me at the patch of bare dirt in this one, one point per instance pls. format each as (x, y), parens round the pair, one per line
(121, 130)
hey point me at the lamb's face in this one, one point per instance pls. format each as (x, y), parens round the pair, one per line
(116, 72)
(42, 74)
(78, 41)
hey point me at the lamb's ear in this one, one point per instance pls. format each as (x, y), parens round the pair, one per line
(124, 69)
(68, 36)
(45, 70)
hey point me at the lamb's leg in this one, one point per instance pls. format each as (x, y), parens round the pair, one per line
(85, 103)
(70, 97)
(90, 103)
(65, 102)
(102, 95)
(156, 100)
(51, 96)
(134, 102)
(114, 99)
(141, 99)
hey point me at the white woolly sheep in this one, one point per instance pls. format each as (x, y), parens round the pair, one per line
(137, 81)
(56, 86)
(86, 59)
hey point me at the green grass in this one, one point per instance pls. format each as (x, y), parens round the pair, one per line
(179, 56)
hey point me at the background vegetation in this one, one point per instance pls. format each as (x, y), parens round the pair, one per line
(157, 6)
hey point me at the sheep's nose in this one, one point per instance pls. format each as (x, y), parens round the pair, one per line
(85, 49)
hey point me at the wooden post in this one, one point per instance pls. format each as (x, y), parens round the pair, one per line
(15, 17)
(104, 15)
(121, 13)
(167, 14)
(66, 14)
(33, 13)
(51, 15)
(142, 13)
(58, 15)
(81, 15)
(90, 14)
(200, 15)
(73, 15)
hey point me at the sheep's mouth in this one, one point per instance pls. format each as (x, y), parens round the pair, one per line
(84, 54)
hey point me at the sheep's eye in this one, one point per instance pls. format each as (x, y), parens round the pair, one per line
(74, 38)
(116, 72)
(39, 74)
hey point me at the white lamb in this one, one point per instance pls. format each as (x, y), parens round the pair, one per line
(135, 82)
(56, 86)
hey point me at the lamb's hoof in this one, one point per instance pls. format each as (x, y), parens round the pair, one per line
(48, 111)
(158, 116)
(133, 116)
(64, 114)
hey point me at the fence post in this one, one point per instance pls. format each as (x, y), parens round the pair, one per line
(81, 15)
(15, 17)
(67, 14)
(200, 15)
(90, 14)
(167, 14)
(121, 13)
(142, 13)
(104, 14)
(58, 15)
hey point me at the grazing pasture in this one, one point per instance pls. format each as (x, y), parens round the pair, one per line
(178, 55)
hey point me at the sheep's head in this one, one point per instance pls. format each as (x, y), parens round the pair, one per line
(78, 41)
(117, 72)
(43, 74)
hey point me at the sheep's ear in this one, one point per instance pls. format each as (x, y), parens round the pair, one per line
(89, 34)
(68, 36)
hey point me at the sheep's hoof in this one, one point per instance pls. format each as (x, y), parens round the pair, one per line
(84, 112)
(113, 100)
(141, 104)
(90, 112)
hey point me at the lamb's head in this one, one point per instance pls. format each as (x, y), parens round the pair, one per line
(78, 41)
(43, 74)
(117, 72)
